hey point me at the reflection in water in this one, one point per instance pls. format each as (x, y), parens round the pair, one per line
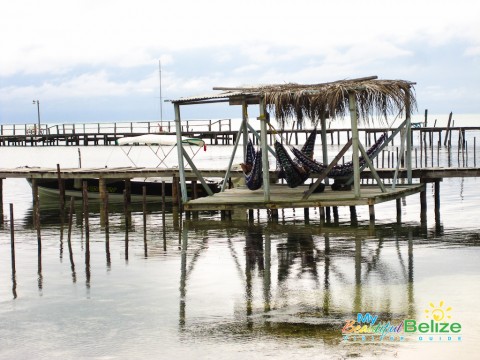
(297, 298)
(289, 280)
(297, 259)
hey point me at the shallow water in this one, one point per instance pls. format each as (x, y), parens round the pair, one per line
(208, 288)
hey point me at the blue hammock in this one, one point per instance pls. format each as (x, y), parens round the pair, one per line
(253, 167)
(290, 169)
(338, 170)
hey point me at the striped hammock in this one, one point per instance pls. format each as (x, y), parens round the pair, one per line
(291, 169)
(338, 170)
(252, 167)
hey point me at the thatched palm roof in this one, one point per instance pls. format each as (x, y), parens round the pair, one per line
(375, 98)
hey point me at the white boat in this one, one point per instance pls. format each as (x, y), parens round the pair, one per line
(158, 139)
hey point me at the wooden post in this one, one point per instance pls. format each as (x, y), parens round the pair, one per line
(69, 238)
(144, 208)
(128, 189)
(447, 132)
(355, 152)
(323, 124)
(194, 190)
(107, 229)
(250, 215)
(174, 191)
(181, 167)
(125, 211)
(399, 209)
(437, 200)
(61, 188)
(306, 214)
(1, 202)
(87, 222)
(263, 143)
(244, 128)
(79, 158)
(474, 159)
(12, 239)
(102, 190)
(409, 137)
(423, 206)
(353, 214)
(335, 213)
(36, 215)
(163, 208)
(371, 212)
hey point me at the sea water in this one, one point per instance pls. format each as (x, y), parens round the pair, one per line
(206, 288)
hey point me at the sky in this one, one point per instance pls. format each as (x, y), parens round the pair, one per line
(99, 60)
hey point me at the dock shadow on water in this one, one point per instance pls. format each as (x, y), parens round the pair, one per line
(203, 287)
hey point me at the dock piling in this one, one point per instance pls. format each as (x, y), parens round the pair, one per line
(86, 221)
(125, 211)
(1, 203)
(144, 208)
(69, 237)
(12, 240)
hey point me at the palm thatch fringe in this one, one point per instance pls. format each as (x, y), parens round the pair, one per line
(375, 99)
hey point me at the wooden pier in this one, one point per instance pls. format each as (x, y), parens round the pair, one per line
(244, 199)
(218, 132)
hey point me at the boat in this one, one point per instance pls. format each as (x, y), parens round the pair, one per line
(158, 139)
(48, 189)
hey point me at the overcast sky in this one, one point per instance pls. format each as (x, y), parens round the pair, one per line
(98, 60)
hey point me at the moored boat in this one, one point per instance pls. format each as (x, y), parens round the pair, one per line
(48, 189)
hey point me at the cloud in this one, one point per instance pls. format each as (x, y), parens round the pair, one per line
(56, 49)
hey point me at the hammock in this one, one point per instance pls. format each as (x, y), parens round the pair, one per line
(292, 170)
(338, 170)
(252, 168)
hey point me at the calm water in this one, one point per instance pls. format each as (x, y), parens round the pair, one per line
(211, 289)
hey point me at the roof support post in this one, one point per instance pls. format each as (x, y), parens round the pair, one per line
(181, 167)
(244, 128)
(323, 124)
(356, 163)
(264, 146)
(409, 139)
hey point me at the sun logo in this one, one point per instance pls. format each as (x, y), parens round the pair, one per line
(438, 313)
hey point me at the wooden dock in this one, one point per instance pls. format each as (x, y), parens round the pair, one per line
(129, 172)
(281, 196)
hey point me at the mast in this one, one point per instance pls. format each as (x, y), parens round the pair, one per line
(160, 78)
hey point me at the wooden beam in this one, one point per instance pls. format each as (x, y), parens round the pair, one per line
(181, 167)
(324, 174)
(356, 163)
(372, 168)
(264, 145)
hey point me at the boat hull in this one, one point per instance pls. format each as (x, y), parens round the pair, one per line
(48, 189)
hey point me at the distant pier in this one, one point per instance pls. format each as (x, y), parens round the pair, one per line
(213, 132)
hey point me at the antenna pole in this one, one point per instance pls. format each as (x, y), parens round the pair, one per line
(160, 77)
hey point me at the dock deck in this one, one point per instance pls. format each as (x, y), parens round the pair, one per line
(281, 196)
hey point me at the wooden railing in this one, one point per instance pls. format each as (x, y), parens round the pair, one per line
(137, 127)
